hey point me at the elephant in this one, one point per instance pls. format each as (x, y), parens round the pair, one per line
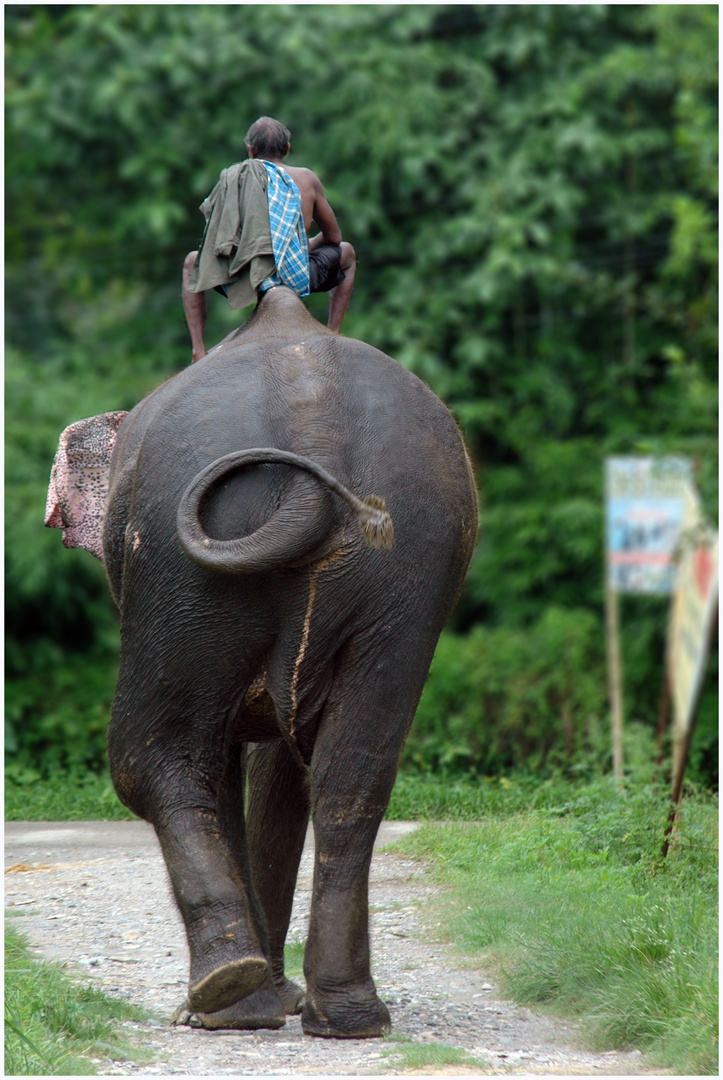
(285, 525)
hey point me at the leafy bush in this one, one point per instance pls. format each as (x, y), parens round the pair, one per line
(57, 707)
(500, 698)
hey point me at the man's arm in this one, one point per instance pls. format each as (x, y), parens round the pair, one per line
(315, 207)
(317, 242)
(325, 218)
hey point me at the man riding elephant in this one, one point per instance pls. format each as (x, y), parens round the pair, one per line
(276, 633)
(257, 223)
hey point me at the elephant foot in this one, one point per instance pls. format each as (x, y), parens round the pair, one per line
(226, 984)
(266, 1007)
(292, 996)
(350, 1015)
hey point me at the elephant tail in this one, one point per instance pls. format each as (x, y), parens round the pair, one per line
(277, 543)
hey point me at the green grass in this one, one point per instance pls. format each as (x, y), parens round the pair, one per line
(66, 796)
(88, 796)
(573, 909)
(404, 1054)
(430, 797)
(294, 960)
(56, 1025)
(82, 795)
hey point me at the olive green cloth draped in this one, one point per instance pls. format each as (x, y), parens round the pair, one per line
(236, 248)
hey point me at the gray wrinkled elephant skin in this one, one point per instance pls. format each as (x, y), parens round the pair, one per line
(276, 634)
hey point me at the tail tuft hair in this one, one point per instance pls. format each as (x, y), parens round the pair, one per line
(375, 523)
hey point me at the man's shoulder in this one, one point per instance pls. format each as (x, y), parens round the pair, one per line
(306, 176)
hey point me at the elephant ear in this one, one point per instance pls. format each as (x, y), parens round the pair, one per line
(79, 480)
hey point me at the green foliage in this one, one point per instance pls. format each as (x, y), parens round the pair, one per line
(532, 194)
(54, 1024)
(574, 908)
(57, 706)
(445, 795)
(500, 698)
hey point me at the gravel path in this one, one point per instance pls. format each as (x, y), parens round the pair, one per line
(96, 894)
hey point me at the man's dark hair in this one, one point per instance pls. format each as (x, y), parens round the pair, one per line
(268, 138)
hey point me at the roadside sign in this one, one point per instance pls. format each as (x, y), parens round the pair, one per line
(691, 616)
(643, 520)
(644, 517)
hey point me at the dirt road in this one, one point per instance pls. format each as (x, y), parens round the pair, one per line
(96, 894)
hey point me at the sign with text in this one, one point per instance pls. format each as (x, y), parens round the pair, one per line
(644, 517)
(692, 611)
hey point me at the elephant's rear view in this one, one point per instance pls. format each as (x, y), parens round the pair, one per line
(275, 626)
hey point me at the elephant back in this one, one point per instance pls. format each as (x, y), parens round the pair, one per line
(338, 403)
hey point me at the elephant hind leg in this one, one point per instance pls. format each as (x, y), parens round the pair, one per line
(228, 960)
(212, 887)
(361, 733)
(277, 818)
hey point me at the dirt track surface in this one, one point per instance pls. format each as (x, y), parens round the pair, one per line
(96, 894)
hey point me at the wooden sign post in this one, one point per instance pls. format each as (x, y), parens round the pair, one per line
(615, 677)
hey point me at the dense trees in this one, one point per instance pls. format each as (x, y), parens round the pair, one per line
(531, 191)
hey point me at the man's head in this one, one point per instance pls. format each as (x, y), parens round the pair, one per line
(267, 138)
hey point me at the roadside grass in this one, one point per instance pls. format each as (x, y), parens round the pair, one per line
(573, 909)
(88, 796)
(430, 797)
(402, 1053)
(56, 1025)
(65, 796)
(294, 959)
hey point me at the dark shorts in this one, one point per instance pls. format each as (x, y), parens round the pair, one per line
(325, 270)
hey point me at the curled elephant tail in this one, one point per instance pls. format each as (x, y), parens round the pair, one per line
(278, 542)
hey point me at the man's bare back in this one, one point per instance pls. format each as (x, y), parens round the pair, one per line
(314, 204)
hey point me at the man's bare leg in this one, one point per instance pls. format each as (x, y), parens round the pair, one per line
(340, 296)
(194, 308)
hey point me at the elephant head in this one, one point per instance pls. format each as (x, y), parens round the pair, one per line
(79, 479)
